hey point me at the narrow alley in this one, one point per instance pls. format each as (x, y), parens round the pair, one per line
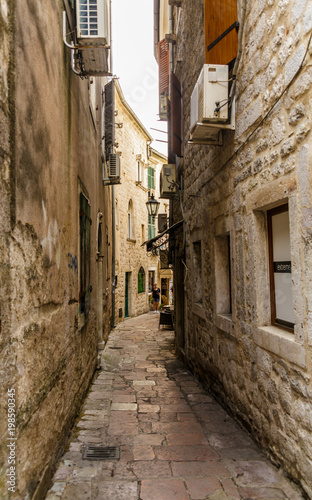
(154, 433)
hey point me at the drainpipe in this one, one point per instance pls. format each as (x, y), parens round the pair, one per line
(113, 194)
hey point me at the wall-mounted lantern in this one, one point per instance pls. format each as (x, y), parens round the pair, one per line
(152, 206)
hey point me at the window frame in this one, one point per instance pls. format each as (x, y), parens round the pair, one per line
(141, 280)
(84, 302)
(285, 325)
(223, 274)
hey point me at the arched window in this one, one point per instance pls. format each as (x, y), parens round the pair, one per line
(141, 280)
(130, 220)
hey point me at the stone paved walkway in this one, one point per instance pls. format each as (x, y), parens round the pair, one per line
(176, 442)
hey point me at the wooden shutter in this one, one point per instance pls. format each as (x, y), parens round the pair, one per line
(109, 114)
(163, 64)
(176, 103)
(221, 27)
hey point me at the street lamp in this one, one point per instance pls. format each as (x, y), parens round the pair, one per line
(152, 206)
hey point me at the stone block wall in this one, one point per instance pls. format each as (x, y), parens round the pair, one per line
(259, 371)
(133, 140)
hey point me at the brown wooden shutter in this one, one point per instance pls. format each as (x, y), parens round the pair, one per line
(221, 27)
(176, 102)
(163, 63)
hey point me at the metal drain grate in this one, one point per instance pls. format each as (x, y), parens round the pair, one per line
(100, 452)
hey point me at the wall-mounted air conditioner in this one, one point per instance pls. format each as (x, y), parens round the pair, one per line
(114, 167)
(93, 36)
(168, 185)
(210, 110)
(93, 22)
(163, 107)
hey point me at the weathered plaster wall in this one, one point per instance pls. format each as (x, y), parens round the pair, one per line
(263, 374)
(55, 152)
(7, 369)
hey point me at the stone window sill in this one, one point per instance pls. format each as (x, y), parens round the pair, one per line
(225, 323)
(281, 343)
(199, 310)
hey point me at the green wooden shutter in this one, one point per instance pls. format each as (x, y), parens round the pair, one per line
(151, 227)
(151, 178)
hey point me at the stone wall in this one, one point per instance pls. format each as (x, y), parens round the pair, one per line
(133, 140)
(50, 152)
(262, 373)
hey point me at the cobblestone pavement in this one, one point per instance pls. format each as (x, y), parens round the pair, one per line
(176, 442)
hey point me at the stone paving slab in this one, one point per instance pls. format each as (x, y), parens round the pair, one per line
(176, 442)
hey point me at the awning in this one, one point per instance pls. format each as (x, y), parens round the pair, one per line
(158, 241)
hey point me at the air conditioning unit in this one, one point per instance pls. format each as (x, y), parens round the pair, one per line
(210, 106)
(114, 167)
(93, 22)
(168, 185)
(93, 34)
(163, 107)
(162, 223)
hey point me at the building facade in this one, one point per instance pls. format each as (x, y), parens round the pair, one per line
(136, 270)
(55, 231)
(243, 320)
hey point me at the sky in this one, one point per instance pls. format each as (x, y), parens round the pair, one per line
(134, 62)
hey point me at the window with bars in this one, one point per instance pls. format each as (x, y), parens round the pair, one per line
(151, 178)
(141, 280)
(84, 260)
(151, 227)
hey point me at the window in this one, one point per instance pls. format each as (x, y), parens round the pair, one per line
(197, 273)
(223, 274)
(151, 227)
(140, 176)
(141, 280)
(130, 221)
(84, 260)
(151, 178)
(151, 280)
(282, 310)
(142, 233)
